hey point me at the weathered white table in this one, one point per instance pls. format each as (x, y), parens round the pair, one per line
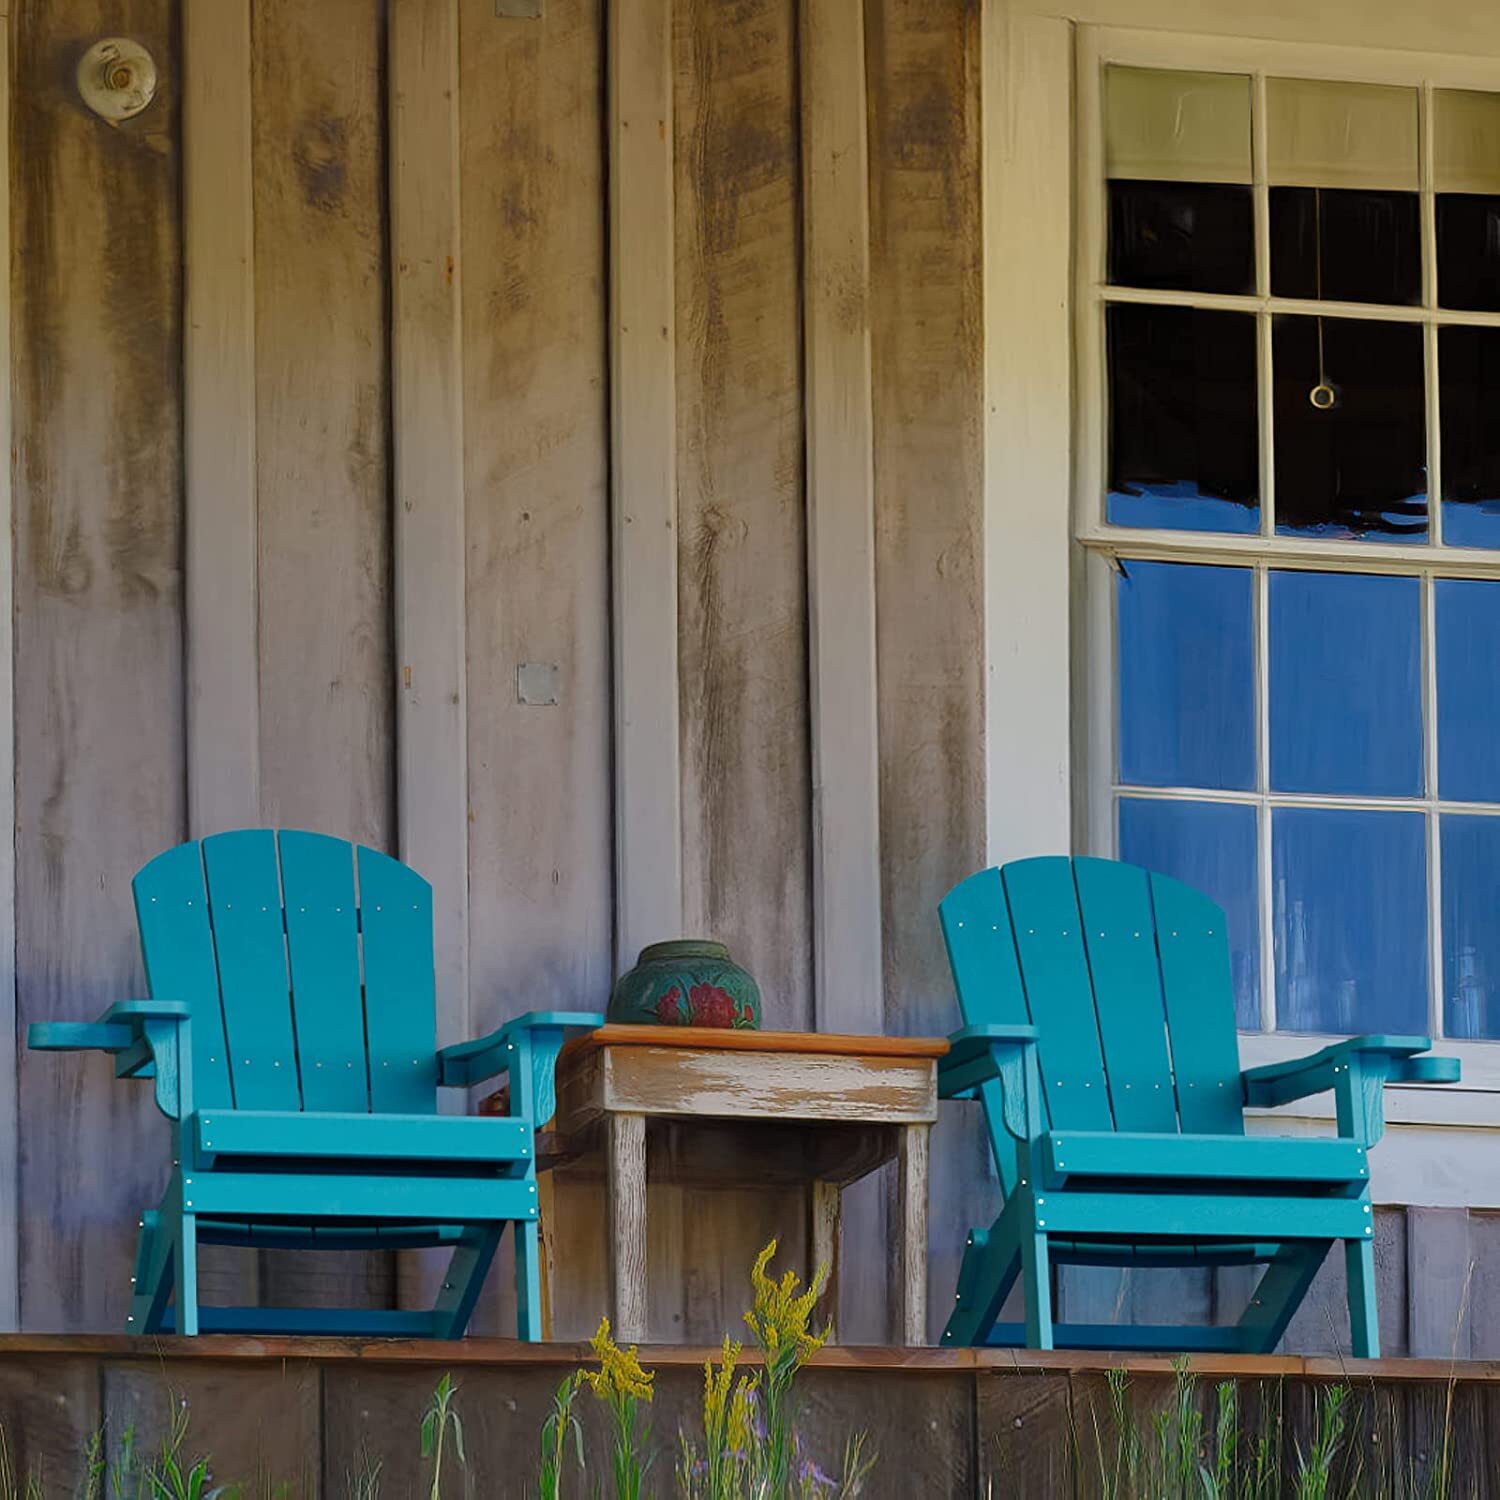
(756, 1107)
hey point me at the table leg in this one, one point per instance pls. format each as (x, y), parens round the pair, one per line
(909, 1243)
(626, 1168)
(827, 1201)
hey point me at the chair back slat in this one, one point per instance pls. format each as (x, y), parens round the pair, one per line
(1055, 972)
(1126, 977)
(177, 943)
(400, 1000)
(322, 939)
(244, 890)
(1119, 935)
(982, 955)
(1193, 941)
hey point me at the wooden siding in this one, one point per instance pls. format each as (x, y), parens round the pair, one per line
(699, 422)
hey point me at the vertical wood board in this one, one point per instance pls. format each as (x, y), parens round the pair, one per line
(427, 433)
(218, 374)
(848, 975)
(323, 415)
(96, 299)
(536, 464)
(10, 1311)
(923, 63)
(741, 586)
(643, 477)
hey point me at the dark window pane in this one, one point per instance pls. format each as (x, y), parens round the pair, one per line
(1187, 236)
(1187, 676)
(1468, 250)
(1183, 446)
(1345, 689)
(1471, 936)
(1350, 915)
(1358, 468)
(1345, 245)
(1210, 846)
(1469, 365)
(1468, 690)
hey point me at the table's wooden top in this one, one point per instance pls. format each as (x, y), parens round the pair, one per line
(726, 1039)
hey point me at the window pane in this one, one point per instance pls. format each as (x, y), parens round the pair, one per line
(1471, 936)
(1324, 134)
(1468, 251)
(1466, 141)
(1345, 245)
(1185, 236)
(1345, 689)
(1468, 691)
(1359, 467)
(1210, 846)
(1183, 446)
(1187, 708)
(1165, 125)
(1350, 915)
(1469, 366)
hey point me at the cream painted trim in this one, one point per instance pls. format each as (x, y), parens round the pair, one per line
(643, 477)
(221, 563)
(432, 769)
(1028, 156)
(847, 952)
(10, 1289)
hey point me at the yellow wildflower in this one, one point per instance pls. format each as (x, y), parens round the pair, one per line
(619, 1374)
(780, 1317)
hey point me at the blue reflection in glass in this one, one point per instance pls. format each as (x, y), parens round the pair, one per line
(1346, 699)
(1468, 689)
(1210, 846)
(1350, 920)
(1471, 936)
(1186, 662)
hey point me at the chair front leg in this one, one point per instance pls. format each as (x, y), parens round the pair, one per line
(1364, 1321)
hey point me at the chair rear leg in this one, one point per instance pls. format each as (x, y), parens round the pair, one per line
(1280, 1290)
(465, 1279)
(151, 1284)
(991, 1265)
(1364, 1323)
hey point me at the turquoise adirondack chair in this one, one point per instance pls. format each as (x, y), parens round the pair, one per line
(291, 1036)
(1101, 1044)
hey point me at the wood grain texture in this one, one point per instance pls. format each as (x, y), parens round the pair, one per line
(923, 63)
(1025, 1434)
(773, 1086)
(643, 476)
(908, 1264)
(49, 1408)
(427, 458)
(741, 583)
(96, 297)
(219, 452)
(322, 459)
(262, 1427)
(628, 1294)
(825, 1247)
(847, 956)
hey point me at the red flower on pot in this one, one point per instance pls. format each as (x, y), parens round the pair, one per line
(712, 1006)
(669, 1007)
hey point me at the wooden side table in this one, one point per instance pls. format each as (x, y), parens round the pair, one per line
(752, 1107)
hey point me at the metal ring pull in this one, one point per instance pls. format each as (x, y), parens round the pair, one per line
(1323, 396)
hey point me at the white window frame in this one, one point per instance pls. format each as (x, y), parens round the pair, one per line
(1477, 1101)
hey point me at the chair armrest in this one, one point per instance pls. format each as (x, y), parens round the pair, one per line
(146, 1038)
(980, 1058)
(1357, 1071)
(526, 1049)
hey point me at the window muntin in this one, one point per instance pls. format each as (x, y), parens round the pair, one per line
(1386, 762)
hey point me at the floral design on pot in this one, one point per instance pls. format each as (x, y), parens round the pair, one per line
(686, 983)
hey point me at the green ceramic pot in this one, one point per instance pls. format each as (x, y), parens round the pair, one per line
(686, 983)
